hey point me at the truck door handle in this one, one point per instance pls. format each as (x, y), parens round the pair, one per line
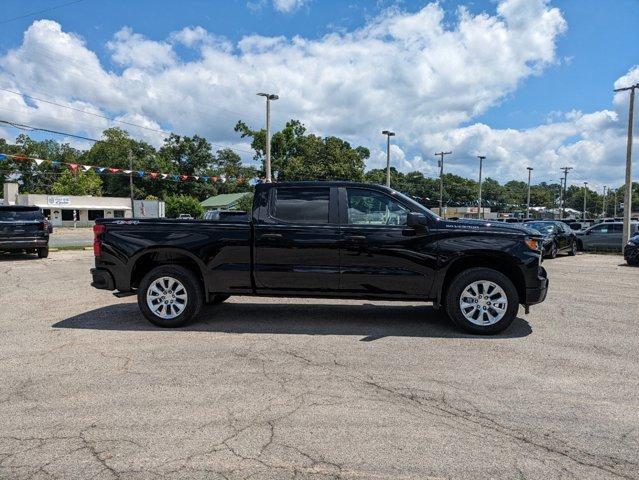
(355, 237)
(270, 236)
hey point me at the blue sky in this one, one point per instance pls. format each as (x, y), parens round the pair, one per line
(598, 46)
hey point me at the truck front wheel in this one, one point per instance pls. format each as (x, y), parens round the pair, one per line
(170, 296)
(482, 300)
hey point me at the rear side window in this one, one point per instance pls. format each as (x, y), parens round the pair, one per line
(12, 215)
(301, 205)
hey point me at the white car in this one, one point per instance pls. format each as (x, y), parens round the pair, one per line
(185, 216)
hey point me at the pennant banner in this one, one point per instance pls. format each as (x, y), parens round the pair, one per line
(75, 167)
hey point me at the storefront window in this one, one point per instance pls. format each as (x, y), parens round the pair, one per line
(94, 214)
(118, 214)
(67, 215)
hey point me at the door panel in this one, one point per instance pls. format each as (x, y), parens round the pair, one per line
(297, 242)
(380, 255)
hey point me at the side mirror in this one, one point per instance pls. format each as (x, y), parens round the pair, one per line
(416, 220)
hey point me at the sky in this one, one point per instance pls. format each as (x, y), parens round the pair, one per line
(523, 82)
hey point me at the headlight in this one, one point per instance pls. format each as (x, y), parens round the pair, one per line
(631, 243)
(532, 243)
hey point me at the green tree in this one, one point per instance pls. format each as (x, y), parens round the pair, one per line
(245, 204)
(175, 205)
(79, 183)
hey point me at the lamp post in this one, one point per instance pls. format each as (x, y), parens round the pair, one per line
(441, 181)
(530, 169)
(480, 213)
(603, 203)
(267, 165)
(585, 193)
(388, 134)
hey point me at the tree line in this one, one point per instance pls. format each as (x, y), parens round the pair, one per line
(295, 155)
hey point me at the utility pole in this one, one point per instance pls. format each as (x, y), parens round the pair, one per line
(441, 181)
(563, 203)
(561, 195)
(480, 213)
(388, 134)
(267, 166)
(131, 183)
(603, 204)
(530, 169)
(627, 202)
(614, 199)
(585, 193)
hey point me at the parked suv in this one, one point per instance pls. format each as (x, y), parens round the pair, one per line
(23, 229)
(604, 236)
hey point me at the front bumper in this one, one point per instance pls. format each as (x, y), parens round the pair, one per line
(537, 293)
(24, 243)
(631, 253)
(102, 279)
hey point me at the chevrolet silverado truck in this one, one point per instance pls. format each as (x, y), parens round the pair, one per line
(324, 239)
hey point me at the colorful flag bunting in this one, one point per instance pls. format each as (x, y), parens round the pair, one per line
(2, 157)
(127, 171)
(141, 173)
(55, 163)
(153, 175)
(184, 178)
(114, 170)
(86, 168)
(101, 169)
(164, 175)
(38, 161)
(73, 167)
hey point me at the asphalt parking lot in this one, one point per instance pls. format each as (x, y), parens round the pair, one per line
(282, 389)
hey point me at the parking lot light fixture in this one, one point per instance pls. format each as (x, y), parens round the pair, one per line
(267, 165)
(388, 134)
(585, 193)
(530, 169)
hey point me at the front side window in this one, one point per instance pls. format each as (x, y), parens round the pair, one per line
(367, 207)
(600, 229)
(301, 205)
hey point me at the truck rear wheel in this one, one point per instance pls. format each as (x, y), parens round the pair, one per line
(482, 300)
(170, 296)
(43, 252)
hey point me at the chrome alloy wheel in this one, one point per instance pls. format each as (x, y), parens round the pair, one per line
(483, 303)
(166, 297)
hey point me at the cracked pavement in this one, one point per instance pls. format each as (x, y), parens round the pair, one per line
(316, 389)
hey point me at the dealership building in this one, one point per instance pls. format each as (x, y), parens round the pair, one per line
(82, 210)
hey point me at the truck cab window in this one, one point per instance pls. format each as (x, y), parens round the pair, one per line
(367, 207)
(301, 205)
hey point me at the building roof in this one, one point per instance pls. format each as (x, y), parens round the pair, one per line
(223, 200)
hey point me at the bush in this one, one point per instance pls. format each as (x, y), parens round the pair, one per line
(178, 204)
(245, 203)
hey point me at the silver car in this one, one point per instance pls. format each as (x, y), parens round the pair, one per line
(604, 236)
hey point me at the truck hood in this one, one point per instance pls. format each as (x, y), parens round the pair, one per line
(468, 224)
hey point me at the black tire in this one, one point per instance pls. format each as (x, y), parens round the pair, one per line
(43, 252)
(459, 285)
(554, 249)
(192, 287)
(573, 248)
(217, 299)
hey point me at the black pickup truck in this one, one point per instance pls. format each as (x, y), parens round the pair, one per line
(324, 239)
(24, 229)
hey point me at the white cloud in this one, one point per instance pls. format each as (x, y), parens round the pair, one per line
(287, 6)
(413, 72)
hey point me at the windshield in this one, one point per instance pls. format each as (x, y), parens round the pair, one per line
(414, 204)
(19, 214)
(541, 226)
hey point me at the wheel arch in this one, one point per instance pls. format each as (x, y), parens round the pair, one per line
(156, 257)
(499, 263)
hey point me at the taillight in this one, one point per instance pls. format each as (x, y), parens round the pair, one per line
(98, 230)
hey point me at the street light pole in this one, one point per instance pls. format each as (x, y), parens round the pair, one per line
(480, 213)
(614, 207)
(585, 193)
(603, 203)
(267, 165)
(131, 183)
(627, 202)
(388, 134)
(563, 203)
(441, 181)
(530, 169)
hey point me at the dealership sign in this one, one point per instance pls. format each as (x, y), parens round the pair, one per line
(58, 200)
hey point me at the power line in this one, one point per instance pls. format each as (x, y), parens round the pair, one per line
(26, 15)
(22, 126)
(97, 115)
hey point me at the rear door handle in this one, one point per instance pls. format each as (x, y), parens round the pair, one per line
(270, 236)
(355, 237)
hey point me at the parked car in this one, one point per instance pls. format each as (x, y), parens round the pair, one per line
(604, 236)
(558, 237)
(324, 239)
(23, 229)
(631, 251)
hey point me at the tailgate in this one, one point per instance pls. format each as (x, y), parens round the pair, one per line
(19, 229)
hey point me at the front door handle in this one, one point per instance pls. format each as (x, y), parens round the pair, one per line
(358, 238)
(270, 236)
